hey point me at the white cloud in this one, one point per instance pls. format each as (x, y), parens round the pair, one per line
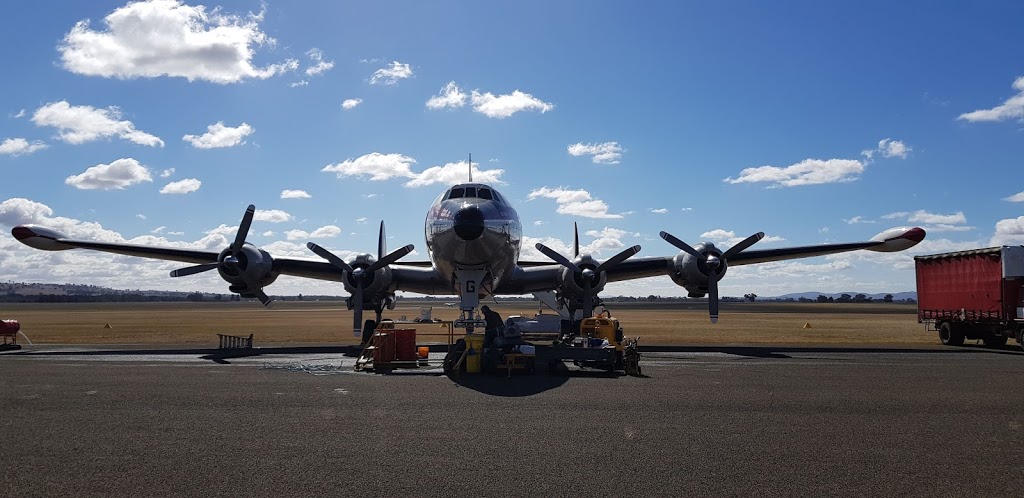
(606, 242)
(453, 173)
(503, 106)
(934, 222)
(893, 148)
(20, 114)
(268, 233)
(605, 153)
(154, 38)
(944, 227)
(167, 173)
(316, 55)
(857, 219)
(369, 196)
(351, 103)
(806, 172)
(574, 202)
(686, 209)
(140, 216)
(923, 216)
(361, 220)
(19, 146)
(450, 96)
(218, 135)
(376, 166)
(319, 233)
(295, 194)
(185, 186)
(1018, 197)
(539, 222)
(1012, 108)
(390, 75)
(888, 148)
(81, 123)
(728, 238)
(117, 175)
(296, 84)
(1009, 232)
(158, 229)
(271, 215)
(660, 211)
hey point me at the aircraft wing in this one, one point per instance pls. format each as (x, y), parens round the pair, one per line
(895, 239)
(415, 277)
(51, 240)
(697, 269)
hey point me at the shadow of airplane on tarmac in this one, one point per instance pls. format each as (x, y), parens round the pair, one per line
(220, 356)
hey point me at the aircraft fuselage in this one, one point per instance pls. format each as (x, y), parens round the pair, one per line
(472, 227)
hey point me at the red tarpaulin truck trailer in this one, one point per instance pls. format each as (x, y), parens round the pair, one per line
(972, 294)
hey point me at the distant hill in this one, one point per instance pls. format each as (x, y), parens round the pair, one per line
(896, 296)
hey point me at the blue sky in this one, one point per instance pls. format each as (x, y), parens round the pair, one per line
(158, 122)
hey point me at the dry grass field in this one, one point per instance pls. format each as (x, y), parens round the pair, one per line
(328, 323)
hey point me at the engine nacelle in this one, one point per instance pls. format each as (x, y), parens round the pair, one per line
(254, 262)
(572, 285)
(374, 284)
(691, 274)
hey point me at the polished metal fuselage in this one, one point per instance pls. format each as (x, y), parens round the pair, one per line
(496, 250)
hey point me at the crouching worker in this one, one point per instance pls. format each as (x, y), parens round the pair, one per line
(493, 327)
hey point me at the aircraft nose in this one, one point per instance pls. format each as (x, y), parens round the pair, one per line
(469, 223)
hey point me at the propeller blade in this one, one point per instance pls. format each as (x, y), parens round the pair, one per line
(390, 258)
(618, 258)
(738, 248)
(558, 258)
(329, 256)
(671, 239)
(357, 309)
(575, 240)
(713, 296)
(243, 229)
(192, 270)
(382, 242)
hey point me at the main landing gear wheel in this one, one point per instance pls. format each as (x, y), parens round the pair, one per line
(951, 335)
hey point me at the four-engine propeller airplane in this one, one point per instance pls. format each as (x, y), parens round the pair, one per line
(473, 238)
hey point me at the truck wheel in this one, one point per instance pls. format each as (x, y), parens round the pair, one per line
(994, 341)
(951, 335)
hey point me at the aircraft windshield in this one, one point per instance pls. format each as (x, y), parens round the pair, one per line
(480, 193)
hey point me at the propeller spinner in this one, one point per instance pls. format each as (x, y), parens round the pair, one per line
(231, 261)
(358, 275)
(708, 264)
(587, 276)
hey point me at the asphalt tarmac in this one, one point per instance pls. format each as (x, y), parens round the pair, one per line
(703, 421)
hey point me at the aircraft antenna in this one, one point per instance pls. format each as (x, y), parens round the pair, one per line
(470, 167)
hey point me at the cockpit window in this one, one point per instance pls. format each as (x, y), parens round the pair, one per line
(470, 191)
(484, 193)
(457, 193)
